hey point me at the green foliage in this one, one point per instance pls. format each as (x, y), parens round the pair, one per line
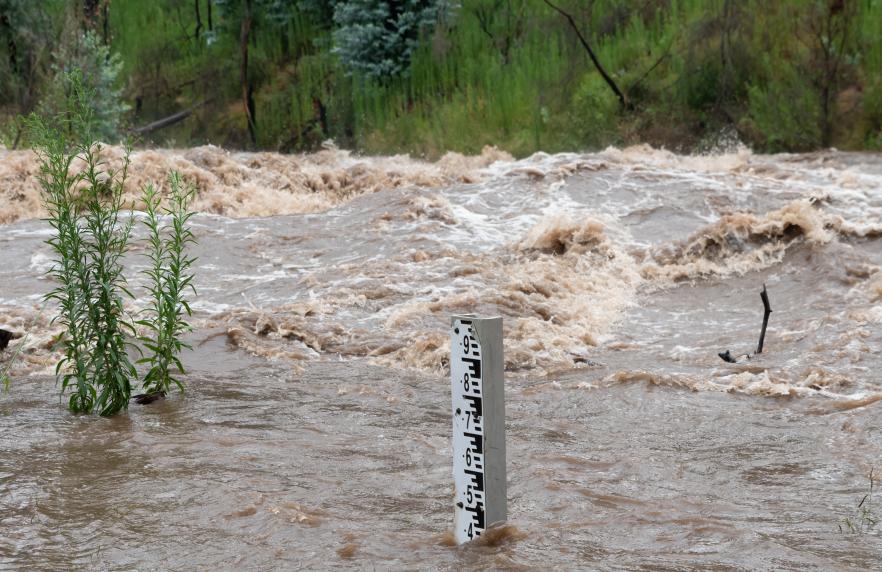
(785, 112)
(28, 32)
(386, 77)
(10, 131)
(873, 112)
(100, 74)
(27, 37)
(465, 83)
(169, 275)
(594, 111)
(83, 197)
(377, 37)
(89, 241)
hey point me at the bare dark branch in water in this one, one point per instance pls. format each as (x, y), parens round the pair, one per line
(767, 311)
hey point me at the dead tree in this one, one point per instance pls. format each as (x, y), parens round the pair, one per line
(623, 99)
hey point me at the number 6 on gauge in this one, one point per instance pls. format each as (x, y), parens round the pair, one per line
(478, 399)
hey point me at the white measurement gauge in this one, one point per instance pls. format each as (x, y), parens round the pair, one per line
(476, 370)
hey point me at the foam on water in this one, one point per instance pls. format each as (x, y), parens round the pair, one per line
(367, 256)
(620, 276)
(251, 184)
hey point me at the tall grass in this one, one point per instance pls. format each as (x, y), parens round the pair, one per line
(90, 239)
(169, 275)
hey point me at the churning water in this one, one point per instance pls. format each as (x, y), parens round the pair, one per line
(315, 430)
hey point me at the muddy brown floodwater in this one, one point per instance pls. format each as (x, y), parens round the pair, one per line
(315, 430)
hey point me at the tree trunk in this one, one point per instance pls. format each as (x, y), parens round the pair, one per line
(247, 88)
(210, 24)
(105, 23)
(198, 19)
(6, 26)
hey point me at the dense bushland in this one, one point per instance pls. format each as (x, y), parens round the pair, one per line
(426, 76)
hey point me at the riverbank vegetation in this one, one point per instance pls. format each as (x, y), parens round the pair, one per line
(427, 76)
(90, 237)
(169, 278)
(83, 196)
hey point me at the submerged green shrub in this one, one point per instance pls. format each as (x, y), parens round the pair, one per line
(84, 199)
(170, 277)
(89, 242)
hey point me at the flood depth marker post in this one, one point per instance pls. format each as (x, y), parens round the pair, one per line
(476, 366)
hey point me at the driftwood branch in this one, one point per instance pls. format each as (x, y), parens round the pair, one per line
(170, 120)
(767, 310)
(623, 99)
